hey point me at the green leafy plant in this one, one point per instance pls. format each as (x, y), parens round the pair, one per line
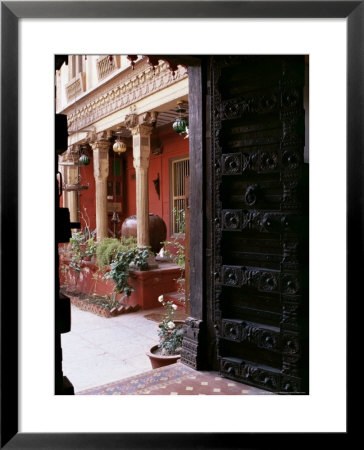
(90, 247)
(120, 268)
(107, 301)
(109, 247)
(170, 334)
(76, 242)
(175, 249)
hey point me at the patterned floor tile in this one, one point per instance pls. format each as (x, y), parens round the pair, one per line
(176, 379)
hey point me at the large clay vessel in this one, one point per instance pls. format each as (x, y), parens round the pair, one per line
(157, 230)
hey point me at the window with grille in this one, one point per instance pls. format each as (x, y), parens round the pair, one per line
(77, 78)
(179, 171)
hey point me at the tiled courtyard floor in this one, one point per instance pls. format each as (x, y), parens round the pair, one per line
(107, 356)
(100, 350)
(175, 379)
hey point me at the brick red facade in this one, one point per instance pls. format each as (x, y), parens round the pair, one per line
(173, 146)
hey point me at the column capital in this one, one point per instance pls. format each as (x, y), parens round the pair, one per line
(100, 143)
(100, 149)
(143, 130)
(131, 120)
(71, 154)
(141, 125)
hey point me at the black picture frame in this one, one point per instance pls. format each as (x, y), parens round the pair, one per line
(11, 12)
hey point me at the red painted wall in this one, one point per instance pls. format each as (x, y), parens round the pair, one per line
(87, 197)
(173, 146)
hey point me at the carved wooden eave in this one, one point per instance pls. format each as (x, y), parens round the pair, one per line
(125, 89)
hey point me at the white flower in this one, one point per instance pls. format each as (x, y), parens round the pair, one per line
(174, 307)
(160, 299)
(170, 325)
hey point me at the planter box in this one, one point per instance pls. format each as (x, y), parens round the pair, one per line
(148, 284)
(98, 309)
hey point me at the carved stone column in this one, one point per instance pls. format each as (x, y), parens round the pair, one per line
(72, 175)
(141, 129)
(141, 155)
(62, 159)
(100, 149)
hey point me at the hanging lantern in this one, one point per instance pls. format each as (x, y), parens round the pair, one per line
(119, 146)
(84, 160)
(180, 125)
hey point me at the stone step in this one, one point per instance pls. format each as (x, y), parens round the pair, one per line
(177, 298)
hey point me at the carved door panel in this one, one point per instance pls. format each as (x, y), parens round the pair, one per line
(259, 223)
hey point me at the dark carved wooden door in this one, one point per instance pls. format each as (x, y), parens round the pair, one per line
(258, 226)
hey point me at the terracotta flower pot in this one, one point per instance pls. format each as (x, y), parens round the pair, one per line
(161, 360)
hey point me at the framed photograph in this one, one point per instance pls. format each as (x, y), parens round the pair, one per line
(331, 35)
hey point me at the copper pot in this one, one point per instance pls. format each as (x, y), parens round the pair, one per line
(157, 230)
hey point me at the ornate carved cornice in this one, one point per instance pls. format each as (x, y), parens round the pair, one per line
(127, 88)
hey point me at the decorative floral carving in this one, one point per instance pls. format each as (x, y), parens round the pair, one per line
(191, 345)
(232, 164)
(232, 220)
(243, 331)
(231, 276)
(290, 315)
(291, 159)
(268, 281)
(125, 90)
(250, 373)
(259, 103)
(268, 161)
(290, 284)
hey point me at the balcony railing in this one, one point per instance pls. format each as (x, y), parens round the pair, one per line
(76, 86)
(106, 65)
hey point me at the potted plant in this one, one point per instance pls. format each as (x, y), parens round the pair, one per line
(170, 334)
(90, 250)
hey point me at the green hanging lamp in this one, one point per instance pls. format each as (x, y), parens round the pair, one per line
(180, 125)
(84, 160)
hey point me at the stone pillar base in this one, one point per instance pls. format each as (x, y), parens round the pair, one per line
(152, 263)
